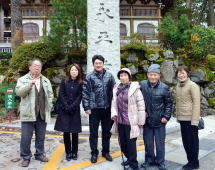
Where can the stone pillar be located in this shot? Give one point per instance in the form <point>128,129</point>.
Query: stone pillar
<point>103,37</point>
<point>104,33</point>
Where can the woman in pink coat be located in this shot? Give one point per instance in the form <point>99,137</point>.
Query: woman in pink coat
<point>128,111</point>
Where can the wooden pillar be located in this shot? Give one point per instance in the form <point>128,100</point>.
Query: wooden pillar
<point>131,20</point>
<point>1,21</point>
<point>45,13</point>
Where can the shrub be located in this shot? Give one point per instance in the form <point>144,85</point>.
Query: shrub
<point>4,55</point>
<point>174,34</point>
<point>26,52</point>
<point>186,40</point>
<point>201,42</point>
<point>211,61</point>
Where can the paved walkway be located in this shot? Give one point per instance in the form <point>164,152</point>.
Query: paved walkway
<point>171,126</point>
<point>175,155</point>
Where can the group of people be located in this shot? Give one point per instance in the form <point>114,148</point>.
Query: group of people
<point>128,108</point>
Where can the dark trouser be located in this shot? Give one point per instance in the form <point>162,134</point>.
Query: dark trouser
<point>128,146</point>
<point>190,141</point>
<point>27,132</point>
<point>67,142</point>
<point>97,115</point>
<point>150,135</point>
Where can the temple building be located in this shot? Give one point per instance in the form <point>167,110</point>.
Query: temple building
<point>141,16</point>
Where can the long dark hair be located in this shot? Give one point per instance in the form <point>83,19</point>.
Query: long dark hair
<point>79,77</point>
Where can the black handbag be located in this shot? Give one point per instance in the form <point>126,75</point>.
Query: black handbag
<point>201,124</point>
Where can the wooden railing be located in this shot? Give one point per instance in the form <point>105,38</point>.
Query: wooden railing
<point>150,41</point>
<point>5,40</point>
<point>5,49</point>
<point>32,39</point>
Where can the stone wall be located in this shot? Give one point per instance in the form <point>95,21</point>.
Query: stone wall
<point>203,75</point>
<point>139,62</point>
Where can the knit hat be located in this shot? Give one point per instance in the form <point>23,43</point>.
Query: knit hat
<point>124,70</point>
<point>155,68</point>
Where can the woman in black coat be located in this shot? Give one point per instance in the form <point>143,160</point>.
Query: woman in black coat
<point>68,110</point>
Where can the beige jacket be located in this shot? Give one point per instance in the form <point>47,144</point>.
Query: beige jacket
<point>27,94</point>
<point>188,102</point>
<point>136,109</point>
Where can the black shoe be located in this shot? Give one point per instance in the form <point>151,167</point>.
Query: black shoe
<point>147,164</point>
<point>74,156</point>
<point>94,158</point>
<point>126,163</point>
<point>162,167</point>
<point>131,168</point>
<point>107,157</point>
<point>190,167</point>
<point>187,166</point>
<point>68,156</point>
<point>195,166</point>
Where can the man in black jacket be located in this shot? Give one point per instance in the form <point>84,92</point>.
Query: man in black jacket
<point>159,108</point>
<point>97,96</point>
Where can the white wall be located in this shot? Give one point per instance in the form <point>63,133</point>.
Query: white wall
<point>48,27</point>
<point>127,23</point>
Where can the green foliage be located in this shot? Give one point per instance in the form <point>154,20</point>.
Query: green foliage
<point>3,114</point>
<point>77,57</point>
<point>135,46</point>
<point>187,41</point>
<point>211,61</point>
<point>175,34</point>
<point>26,52</point>
<point>209,74</point>
<point>140,76</point>
<point>211,102</point>
<point>2,94</point>
<point>136,37</point>
<point>68,24</point>
<point>140,51</point>
<point>3,70</point>
<point>160,60</point>
<point>50,73</point>
<point>201,42</point>
<point>4,61</point>
<point>4,55</point>
<point>197,13</point>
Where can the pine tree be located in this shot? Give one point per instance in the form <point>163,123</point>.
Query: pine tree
<point>68,24</point>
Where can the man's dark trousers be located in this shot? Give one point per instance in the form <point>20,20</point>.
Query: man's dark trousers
<point>150,135</point>
<point>97,115</point>
<point>27,132</point>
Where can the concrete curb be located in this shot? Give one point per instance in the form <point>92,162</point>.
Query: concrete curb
<point>171,127</point>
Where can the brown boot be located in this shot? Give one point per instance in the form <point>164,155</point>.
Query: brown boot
<point>42,158</point>
<point>25,163</point>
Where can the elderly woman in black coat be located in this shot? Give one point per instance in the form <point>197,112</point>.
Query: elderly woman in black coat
<point>68,110</point>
